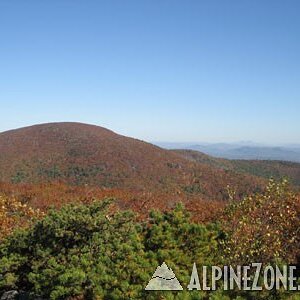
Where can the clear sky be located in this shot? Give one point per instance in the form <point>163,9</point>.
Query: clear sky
<point>159,70</point>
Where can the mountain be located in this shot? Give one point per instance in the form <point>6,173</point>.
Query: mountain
<point>261,168</point>
<point>242,150</point>
<point>82,154</point>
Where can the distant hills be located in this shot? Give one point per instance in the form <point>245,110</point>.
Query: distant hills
<point>82,154</point>
<point>245,150</point>
<point>261,168</point>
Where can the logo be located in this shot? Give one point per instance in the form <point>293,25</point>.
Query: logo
<point>163,279</point>
<point>253,277</point>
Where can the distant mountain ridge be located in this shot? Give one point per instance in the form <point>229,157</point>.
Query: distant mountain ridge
<point>246,150</point>
<point>262,168</point>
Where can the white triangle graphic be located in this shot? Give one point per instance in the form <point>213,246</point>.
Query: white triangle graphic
<point>163,279</point>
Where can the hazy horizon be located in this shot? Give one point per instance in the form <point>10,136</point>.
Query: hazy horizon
<point>238,143</point>
<point>183,143</point>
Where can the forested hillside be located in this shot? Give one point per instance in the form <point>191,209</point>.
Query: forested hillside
<point>81,154</point>
<point>261,168</point>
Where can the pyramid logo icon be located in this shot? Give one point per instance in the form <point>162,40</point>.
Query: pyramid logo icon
<point>164,279</point>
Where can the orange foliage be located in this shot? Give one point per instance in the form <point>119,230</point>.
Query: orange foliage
<point>43,196</point>
<point>14,214</point>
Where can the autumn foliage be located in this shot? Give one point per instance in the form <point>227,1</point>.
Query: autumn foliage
<point>14,214</point>
<point>56,194</point>
<point>80,154</point>
<point>96,250</point>
<point>263,227</point>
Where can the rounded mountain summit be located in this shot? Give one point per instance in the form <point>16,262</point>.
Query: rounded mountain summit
<point>77,154</point>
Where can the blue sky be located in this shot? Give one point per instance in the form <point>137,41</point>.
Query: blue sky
<point>214,71</point>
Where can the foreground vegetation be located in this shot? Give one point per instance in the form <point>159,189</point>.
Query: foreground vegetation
<point>96,251</point>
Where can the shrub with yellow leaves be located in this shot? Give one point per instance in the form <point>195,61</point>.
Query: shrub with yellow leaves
<point>14,214</point>
<point>263,227</point>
